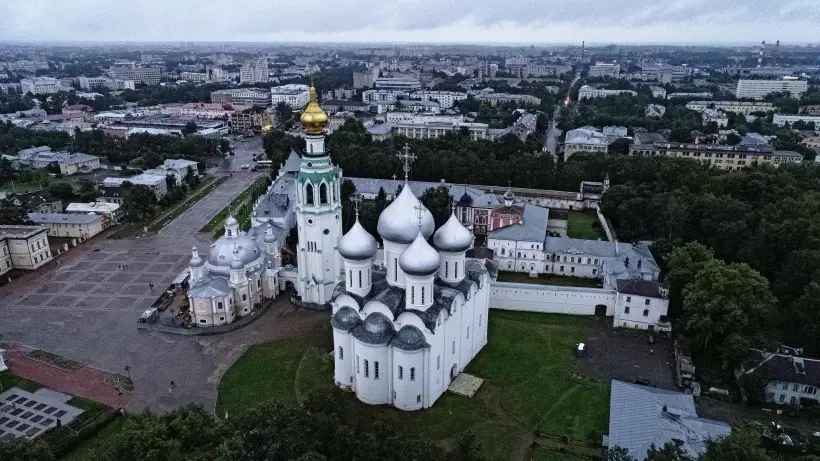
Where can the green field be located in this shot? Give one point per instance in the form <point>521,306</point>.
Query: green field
<point>548,279</point>
<point>241,207</point>
<point>584,225</point>
<point>529,385</point>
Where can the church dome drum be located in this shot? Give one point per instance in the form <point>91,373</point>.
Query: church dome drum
<point>419,258</point>
<point>222,251</point>
<point>357,243</point>
<point>453,237</point>
<point>398,222</point>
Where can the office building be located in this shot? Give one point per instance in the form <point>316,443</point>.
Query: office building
<point>41,85</point>
<point>397,83</point>
<point>294,95</point>
<point>145,75</point>
<point>255,71</point>
<point>588,92</point>
<point>242,96</point>
<point>445,99</point>
<point>738,107</point>
<point>76,225</point>
<point>69,162</point>
<point>603,69</point>
<point>757,89</point>
<point>783,119</point>
<point>720,156</point>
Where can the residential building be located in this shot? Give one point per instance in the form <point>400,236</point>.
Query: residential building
<point>590,139</point>
<point>41,85</point>
<point>397,83</point>
<point>365,78</point>
<point>146,75</point>
<point>757,89</point>
<point>588,92</point>
<point>93,83</point>
<point>712,115</point>
<point>209,110</point>
<point>641,304</point>
<point>427,126</point>
<point>40,201</point>
<point>494,98</point>
<point>112,211</point>
<point>739,107</point>
<point>242,96</point>
<point>294,95</point>
<point>114,195</point>
<point>332,106</point>
<point>790,379</point>
<point>546,70</point>
<point>69,162</point>
<point>702,95</point>
<point>156,183</point>
<point>77,225</point>
<point>784,119</point>
<point>720,156</point>
<point>23,247</point>
<point>813,109</point>
<point>77,110</point>
<point>445,99</point>
<point>252,119</point>
<point>811,142</point>
<point>603,69</point>
<point>377,96</point>
<point>643,416</point>
<point>655,110</point>
<point>255,71</point>
<point>658,92</point>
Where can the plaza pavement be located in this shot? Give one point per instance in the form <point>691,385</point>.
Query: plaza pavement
<point>86,309</point>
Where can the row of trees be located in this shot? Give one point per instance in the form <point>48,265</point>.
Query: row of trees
<point>454,157</point>
<point>325,429</point>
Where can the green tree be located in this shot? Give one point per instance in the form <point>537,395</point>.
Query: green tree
<point>620,147</point>
<point>139,203</point>
<point>86,191</point>
<point>283,113</point>
<point>347,190</point>
<point>618,454</point>
<point>437,200</point>
<point>724,306</point>
<point>12,214</point>
<point>742,445</point>
<point>25,450</point>
<point>669,452</point>
<point>189,128</point>
<point>61,190</point>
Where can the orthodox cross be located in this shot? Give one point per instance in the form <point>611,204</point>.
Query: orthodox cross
<point>419,212</point>
<point>408,158</point>
<point>356,198</point>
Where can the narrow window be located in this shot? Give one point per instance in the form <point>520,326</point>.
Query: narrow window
<point>395,269</point>
<point>309,194</point>
<point>422,294</point>
<point>401,372</point>
<point>454,347</point>
<point>357,363</point>
<point>646,312</point>
<point>418,398</point>
<point>412,373</point>
<point>626,310</point>
<point>456,271</point>
<point>366,369</point>
<point>646,302</point>
<point>323,194</point>
<point>412,294</point>
<point>219,305</point>
<point>628,298</point>
<point>375,370</point>
<point>468,332</point>
<point>341,353</point>
<point>360,279</point>
<point>438,362</point>
<point>446,269</point>
<point>350,277</point>
<point>244,297</point>
<point>479,319</point>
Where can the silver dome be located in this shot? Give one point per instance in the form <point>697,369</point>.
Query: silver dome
<point>345,318</point>
<point>399,223</point>
<point>376,324</point>
<point>453,237</point>
<point>236,263</point>
<point>221,253</point>
<point>231,221</point>
<point>357,243</point>
<point>196,261</point>
<point>419,258</point>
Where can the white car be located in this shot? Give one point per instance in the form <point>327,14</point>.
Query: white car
<point>245,166</point>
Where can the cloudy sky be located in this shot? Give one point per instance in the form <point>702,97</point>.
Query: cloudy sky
<point>436,21</point>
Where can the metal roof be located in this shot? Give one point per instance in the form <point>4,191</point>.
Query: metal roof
<point>640,416</point>
<point>534,228</point>
<point>64,218</point>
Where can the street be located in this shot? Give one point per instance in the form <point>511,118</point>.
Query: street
<point>244,151</point>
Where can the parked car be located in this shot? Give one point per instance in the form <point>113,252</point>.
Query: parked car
<point>149,316</point>
<point>244,166</point>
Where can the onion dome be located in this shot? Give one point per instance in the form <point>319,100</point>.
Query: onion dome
<point>419,258</point>
<point>357,243</point>
<point>453,237</point>
<point>509,195</point>
<point>345,319</point>
<point>231,221</point>
<point>237,261</point>
<point>398,222</point>
<point>313,118</point>
<point>409,338</point>
<point>376,329</point>
<point>269,237</point>
<point>465,200</point>
<point>196,261</point>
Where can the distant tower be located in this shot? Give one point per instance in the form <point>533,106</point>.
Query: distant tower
<point>583,44</point>
<point>760,54</point>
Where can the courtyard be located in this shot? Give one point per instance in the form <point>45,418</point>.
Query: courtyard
<point>549,279</point>
<point>584,225</point>
<point>530,385</point>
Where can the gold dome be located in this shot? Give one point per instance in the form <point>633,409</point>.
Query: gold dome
<point>313,117</point>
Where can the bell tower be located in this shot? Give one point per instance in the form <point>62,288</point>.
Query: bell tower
<point>318,211</point>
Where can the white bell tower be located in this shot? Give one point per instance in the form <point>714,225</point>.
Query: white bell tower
<point>318,212</point>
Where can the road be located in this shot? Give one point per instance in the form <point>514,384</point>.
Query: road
<point>86,308</point>
<point>244,151</point>
<point>553,134</point>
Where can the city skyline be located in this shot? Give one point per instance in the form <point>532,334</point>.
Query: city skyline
<point>421,21</point>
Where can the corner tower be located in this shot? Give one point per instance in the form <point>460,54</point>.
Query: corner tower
<point>318,211</point>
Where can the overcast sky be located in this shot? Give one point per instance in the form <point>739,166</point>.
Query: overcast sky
<point>436,21</point>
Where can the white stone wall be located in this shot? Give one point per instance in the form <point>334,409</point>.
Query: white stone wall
<point>630,310</point>
<point>370,388</point>
<point>550,299</point>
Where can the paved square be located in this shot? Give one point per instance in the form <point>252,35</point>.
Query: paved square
<point>92,302</point>
<point>121,303</point>
<point>68,275</point>
<point>61,301</point>
<point>138,289</point>
<point>52,287</point>
<point>108,288</point>
<point>80,288</point>
<point>168,258</point>
<point>95,277</point>
<point>136,267</point>
<point>34,300</point>
<point>109,267</point>
<point>160,268</point>
<point>121,277</point>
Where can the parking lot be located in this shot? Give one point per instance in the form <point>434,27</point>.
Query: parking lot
<point>625,355</point>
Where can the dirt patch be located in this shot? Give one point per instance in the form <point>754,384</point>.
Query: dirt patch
<point>624,354</point>
<point>54,360</point>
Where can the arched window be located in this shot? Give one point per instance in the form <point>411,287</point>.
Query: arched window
<point>323,193</point>
<point>309,194</point>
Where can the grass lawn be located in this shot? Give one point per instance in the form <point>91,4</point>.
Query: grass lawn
<point>584,225</point>
<point>90,448</point>
<point>8,380</point>
<point>548,279</point>
<point>529,383</point>
<point>241,206</point>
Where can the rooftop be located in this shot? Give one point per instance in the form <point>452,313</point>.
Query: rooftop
<point>9,231</point>
<point>67,218</point>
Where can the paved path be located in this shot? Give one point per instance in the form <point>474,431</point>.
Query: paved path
<point>86,310</point>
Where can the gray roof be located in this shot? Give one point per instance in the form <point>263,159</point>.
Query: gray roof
<point>68,218</point>
<point>210,286</point>
<point>486,200</point>
<point>345,319</point>
<point>370,186</point>
<point>222,251</point>
<point>281,199</point>
<point>640,416</point>
<point>638,287</point>
<point>293,164</point>
<point>409,338</point>
<point>376,329</point>
<point>785,368</point>
<point>534,228</point>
